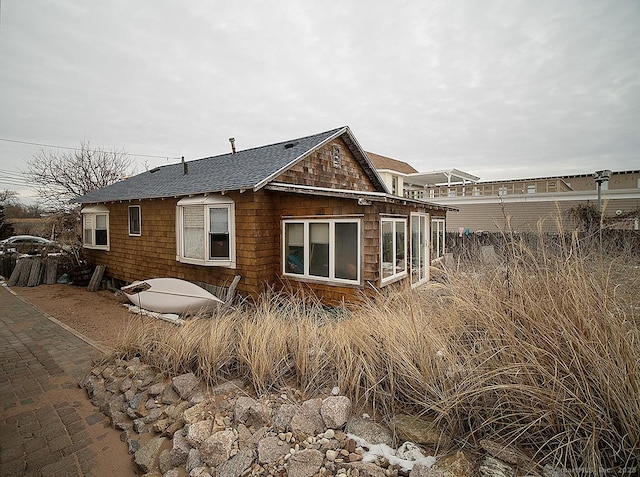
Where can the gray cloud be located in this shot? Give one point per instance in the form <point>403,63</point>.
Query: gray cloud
<point>499,89</point>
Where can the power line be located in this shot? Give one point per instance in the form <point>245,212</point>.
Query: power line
<point>77,148</point>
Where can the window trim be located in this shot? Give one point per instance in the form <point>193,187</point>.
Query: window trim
<point>139,232</point>
<point>94,211</point>
<point>306,276</point>
<point>442,233</point>
<point>426,249</point>
<point>208,202</point>
<point>402,273</point>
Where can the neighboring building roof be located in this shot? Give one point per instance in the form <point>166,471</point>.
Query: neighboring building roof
<point>247,169</point>
<point>386,163</point>
<point>448,176</point>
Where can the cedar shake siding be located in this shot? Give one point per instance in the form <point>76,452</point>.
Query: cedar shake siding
<point>325,180</point>
<point>258,225</point>
<point>318,170</point>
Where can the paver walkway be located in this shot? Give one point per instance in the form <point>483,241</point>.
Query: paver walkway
<point>48,427</point>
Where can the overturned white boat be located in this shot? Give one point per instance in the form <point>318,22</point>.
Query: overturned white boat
<point>170,295</point>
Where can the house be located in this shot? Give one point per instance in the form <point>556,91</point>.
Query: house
<point>310,212</point>
<point>528,204</point>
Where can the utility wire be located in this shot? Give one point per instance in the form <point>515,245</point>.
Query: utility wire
<point>78,149</point>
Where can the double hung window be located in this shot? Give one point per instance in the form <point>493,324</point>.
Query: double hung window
<point>206,231</point>
<point>95,227</point>
<point>322,249</point>
<point>393,248</point>
<point>134,221</point>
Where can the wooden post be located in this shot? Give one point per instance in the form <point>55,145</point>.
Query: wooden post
<point>35,274</point>
<point>94,284</point>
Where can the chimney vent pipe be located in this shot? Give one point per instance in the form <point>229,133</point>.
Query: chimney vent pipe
<point>185,167</point>
<point>232,140</point>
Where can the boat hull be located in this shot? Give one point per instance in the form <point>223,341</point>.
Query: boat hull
<point>169,295</point>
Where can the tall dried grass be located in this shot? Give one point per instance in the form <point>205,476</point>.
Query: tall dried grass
<point>541,352</point>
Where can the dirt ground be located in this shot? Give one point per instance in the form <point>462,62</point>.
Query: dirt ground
<point>98,315</point>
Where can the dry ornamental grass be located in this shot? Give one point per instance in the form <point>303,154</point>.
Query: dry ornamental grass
<point>541,352</point>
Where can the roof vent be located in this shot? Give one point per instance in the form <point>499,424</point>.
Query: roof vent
<point>290,145</point>
<point>232,140</point>
<point>155,169</point>
<point>185,167</point>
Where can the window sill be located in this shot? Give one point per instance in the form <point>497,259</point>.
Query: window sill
<point>96,247</point>
<point>207,263</point>
<point>393,279</point>
<point>322,281</point>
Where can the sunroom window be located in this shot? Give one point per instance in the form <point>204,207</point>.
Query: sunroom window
<point>393,246</point>
<point>205,229</point>
<point>327,250</point>
<point>95,227</point>
<point>437,238</point>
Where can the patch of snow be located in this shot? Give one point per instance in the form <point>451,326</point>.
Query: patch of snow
<point>386,452</point>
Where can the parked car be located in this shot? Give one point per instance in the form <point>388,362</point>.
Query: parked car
<point>29,244</point>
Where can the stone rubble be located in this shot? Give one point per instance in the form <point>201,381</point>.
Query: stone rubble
<point>177,427</point>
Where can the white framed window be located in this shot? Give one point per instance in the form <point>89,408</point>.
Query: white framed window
<point>95,227</point>
<point>437,238</point>
<point>502,190</point>
<point>322,249</point>
<point>531,189</point>
<point>393,248</point>
<point>205,231</point>
<point>419,248</point>
<point>135,229</point>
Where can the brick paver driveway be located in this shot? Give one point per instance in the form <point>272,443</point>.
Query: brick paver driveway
<point>48,427</point>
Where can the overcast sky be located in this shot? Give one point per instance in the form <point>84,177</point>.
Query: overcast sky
<point>499,89</point>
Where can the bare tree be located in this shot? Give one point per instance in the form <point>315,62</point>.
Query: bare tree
<point>59,177</point>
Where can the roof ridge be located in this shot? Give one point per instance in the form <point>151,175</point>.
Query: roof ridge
<point>271,144</point>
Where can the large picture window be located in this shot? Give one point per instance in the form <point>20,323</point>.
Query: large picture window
<point>206,231</point>
<point>437,238</point>
<point>393,246</point>
<point>327,250</point>
<point>95,227</point>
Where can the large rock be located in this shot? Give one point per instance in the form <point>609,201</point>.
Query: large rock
<point>180,450</point>
<point>492,467</point>
<point>164,461</point>
<point>270,449</point>
<point>305,463</point>
<point>366,469</point>
<point>237,465</point>
<point>251,413</point>
<point>185,384</point>
<point>198,432</point>
<point>283,416</point>
<point>307,420</point>
<point>421,430</point>
<point>335,411</point>
<point>459,464</point>
<point>370,431</point>
<point>195,413</point>
<point>228,387</point>
<point>421,470</point>
<point>194,460</point>
<point>217,448</point>
<point>146,456</point>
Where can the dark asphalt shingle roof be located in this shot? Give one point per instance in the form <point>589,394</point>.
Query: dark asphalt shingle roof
<point>243,170</point>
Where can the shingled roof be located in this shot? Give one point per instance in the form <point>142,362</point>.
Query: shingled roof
<point>247,169</point>
<point>386,163</point>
